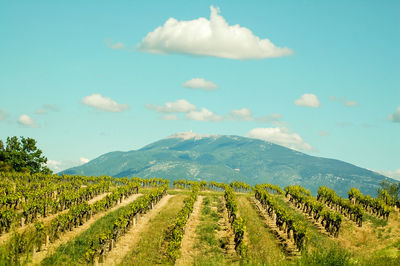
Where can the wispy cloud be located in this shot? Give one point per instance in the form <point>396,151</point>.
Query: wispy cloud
<point>280,136</point>
<point>102,103</point>
<point>323,133</point>
<point>179,106</point>
<point>3,114</point>
<point>204,115</point>
<point>395,117</point>
<point>308,100</point>
<point>114,45</point>
<point>27,121</point>
<point>213,37</point>
<point>46,108</point>
<point>343,100</point>
<point>200,83</point>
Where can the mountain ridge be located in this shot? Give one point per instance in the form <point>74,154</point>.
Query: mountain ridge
<point>225,158</point>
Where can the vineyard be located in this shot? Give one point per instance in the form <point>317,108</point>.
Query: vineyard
<point>79,220</point>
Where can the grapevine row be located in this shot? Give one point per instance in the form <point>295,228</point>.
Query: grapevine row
<point>237,223</point>
<point>104,242</point>
<point>178,228</point>
<point>283,219</point>
<point>374,206</point>
<point>303,200</point>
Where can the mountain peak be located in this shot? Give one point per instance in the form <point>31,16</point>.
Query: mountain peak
<point>191,135</point>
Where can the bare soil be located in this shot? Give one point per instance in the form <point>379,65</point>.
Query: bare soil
<point>187,249</point>
<point>125,243</point>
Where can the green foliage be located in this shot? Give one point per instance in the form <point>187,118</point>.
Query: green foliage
<point>178,228</point>
<point>334,255</point>
<point>375,206</point>
<point>238,224</point>
<point>352,211</point>
<point>284,220</point>
<point>22,155</point>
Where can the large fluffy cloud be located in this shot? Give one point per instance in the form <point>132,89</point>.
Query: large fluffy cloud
<point>102,103</point>
<point>212,37</point>
<point>179,106</point>
<point>200,83</point>
<point>204,115</point>
<point>395,117</point>
<point>26,120</point>
<point>281,136</point>
<point>309,100</point>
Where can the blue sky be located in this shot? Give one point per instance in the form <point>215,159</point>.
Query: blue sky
<point>88,77</point>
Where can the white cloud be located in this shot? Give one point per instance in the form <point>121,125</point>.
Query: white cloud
<point>212,37</point>
<point>395,117</point>
<point>83,160</point>
<point>170,117</point>
<point>104,103</point>
<point>393,174</point>
<point>179,106</point>
<point>203,115</point>
<point>309,100</point>
<point>54,165</point>
<point>25,120</point>
<point>200,83</point>
<point>280,136</point>
<point>242,114</point>
<point>3,114</point>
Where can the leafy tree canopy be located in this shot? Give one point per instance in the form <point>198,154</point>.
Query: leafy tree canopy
<point>22,155</point>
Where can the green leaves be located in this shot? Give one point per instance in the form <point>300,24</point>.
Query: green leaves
<point>177,232</point>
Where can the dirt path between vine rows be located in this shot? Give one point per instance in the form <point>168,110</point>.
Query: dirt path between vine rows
<point>67,236</point>
<point>126,242</point>
<point>226,232</point>
<point>187,249</point>
<point>45,220</point>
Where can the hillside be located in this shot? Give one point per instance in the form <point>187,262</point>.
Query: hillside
<point>226,158</point>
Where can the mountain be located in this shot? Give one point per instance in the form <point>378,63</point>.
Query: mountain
<point>227,158</point>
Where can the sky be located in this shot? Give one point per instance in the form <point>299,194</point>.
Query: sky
<point>85,78</point>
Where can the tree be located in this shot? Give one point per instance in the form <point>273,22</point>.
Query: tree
<point>22,155</point>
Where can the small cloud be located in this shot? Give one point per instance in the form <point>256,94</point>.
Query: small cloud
<point>351,103</point>
<point>25,120</point>
<point>203,115</point>
<point>170,117</point>
<point>45,108</point>
<point>280,136</point>
<point>200,83</point>
<point>99,102</point>
<point>395,117</point>
<point>393,174</point>
<point>114,45</point>
<point>213,37</point>
<point>3,114</point>
<point>344,124</point>
<point>83,160</point>
<point>309,100</point>
<point>242,114</point>
<point>54,165</point>
<point>274,119</point>
<point>323,133</point>
<point>179,106</point>
<point>344,101</point>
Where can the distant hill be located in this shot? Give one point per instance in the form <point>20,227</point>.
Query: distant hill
<point>226,158</point>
